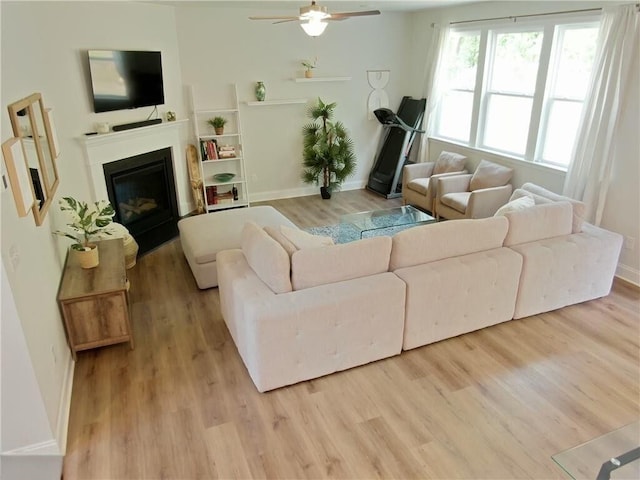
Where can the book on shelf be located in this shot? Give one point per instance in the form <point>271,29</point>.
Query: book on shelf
<point>212,195</point>
<point>209,149</point>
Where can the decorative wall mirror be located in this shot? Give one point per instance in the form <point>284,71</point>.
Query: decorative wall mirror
<point>33,126</point>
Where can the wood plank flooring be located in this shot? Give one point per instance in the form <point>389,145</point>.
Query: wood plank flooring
<point>497,403</point>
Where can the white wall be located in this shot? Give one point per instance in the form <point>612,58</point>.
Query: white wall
<point>42,51</point>
<point>622,211</point>
<point>219,47</point>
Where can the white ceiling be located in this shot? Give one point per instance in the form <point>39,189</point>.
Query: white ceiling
<point>332,5</point>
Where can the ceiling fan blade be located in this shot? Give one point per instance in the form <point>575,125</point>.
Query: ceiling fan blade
<point>343,15</point>
<point>291,19</point>
<point>274,18</point>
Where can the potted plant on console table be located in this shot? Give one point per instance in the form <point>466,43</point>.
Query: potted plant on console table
<point>87,222</point>
<point>327,150</point>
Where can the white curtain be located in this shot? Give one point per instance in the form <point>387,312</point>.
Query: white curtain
<point>431,90</point>
<point>592,160</point>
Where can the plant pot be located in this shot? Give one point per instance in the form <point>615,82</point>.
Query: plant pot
<point>325,193</point>
<point>88,258</point>
<point>308,73</point>
<point>219,130</point>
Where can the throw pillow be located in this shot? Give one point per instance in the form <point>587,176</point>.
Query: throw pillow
<point>302,239</point>
<point>275,233</point>
<point>489,174</point>
<point>449,162</point>
<point>515,205</point>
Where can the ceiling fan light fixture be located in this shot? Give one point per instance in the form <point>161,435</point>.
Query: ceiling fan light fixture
<point>314,28</point>
<point>314,12</point>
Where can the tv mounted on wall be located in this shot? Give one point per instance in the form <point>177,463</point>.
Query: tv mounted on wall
<point>122,79</point>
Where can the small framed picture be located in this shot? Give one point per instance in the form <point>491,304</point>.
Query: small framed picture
<point>19,176</point>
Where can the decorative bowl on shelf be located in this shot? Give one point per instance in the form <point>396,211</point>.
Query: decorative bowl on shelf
<point>224,177</point>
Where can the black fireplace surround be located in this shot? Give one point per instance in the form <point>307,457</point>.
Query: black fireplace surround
<point>143,194</point>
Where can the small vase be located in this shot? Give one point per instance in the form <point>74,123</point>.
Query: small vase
<point>308,73</point>
<point>88,258</point>
<point>261,91</point>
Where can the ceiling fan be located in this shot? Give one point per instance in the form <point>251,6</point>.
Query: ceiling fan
<point>314,18</point>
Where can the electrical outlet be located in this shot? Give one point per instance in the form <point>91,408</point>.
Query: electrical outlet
<point>629,243</point>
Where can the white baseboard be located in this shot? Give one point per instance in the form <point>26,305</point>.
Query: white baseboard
<point>30,465</point>
<point>628,274</point>
<point>301,192</point>
<point>64,408</point>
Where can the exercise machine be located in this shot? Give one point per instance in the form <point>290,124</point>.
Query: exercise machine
<point>400,131</point>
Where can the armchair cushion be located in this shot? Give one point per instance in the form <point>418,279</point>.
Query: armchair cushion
<point>458,201</point>
<point>449,162</point>
<point>489,174</point>
<point>420,185</point>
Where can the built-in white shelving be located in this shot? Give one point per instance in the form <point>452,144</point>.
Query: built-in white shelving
<point>286,101</point>
<point>216,193</point>
<point>322,79</point>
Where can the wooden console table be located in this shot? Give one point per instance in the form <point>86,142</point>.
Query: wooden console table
<point>94,302</point>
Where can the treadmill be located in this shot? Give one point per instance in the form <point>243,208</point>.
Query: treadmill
<point>386,175</point>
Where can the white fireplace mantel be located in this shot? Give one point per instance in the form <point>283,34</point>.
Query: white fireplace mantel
<point>110,147</point>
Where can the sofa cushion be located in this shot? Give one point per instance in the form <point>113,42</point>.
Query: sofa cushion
<point>302,239</point>
<point>458,200</point>
<point>521,203</point>
<point>276,234</point>
<point>541,194</point>
<point>489,174</point>
<point>319,266</point>
<point>436,241</point>
<point>538,222</point>
<point>266,257</point>
<point>420,185</point>
<point>449,162</point>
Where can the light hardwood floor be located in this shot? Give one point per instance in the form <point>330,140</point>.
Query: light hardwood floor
<point>497,403</point>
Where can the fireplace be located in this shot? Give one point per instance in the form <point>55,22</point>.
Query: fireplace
<point>142,192</point>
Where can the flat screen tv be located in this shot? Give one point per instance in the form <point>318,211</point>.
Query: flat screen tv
<point>122,79</point>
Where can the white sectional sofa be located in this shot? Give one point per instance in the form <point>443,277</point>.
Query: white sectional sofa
<point>300,314</point>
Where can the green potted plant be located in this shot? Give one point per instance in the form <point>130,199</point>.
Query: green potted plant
<point>309,66</point>
<point>86,222</point>
<point>218,124</point>
<point>328,156</point>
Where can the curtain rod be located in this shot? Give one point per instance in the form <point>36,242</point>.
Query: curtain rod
<point>514,17</point>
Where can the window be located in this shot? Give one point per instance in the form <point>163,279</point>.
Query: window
<point>516,90</point>
<point>454,116</point>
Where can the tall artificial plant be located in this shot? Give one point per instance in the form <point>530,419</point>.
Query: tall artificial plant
<point>327,149</point>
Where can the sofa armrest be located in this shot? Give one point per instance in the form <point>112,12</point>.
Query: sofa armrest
<point>416,170</point>
<point>485,202</point>
<point>452,184</point>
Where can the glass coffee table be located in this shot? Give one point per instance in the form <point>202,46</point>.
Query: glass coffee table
<point>615,455</point>
<point>364,224</point>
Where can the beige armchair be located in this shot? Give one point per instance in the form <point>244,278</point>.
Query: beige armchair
<point>473,196</point>
<point>419,179</point>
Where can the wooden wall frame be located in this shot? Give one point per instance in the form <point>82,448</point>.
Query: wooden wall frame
<point>19,176</point>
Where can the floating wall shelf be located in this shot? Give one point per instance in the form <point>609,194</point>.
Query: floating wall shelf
<point>322,79</point>
<point>287,101</point>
